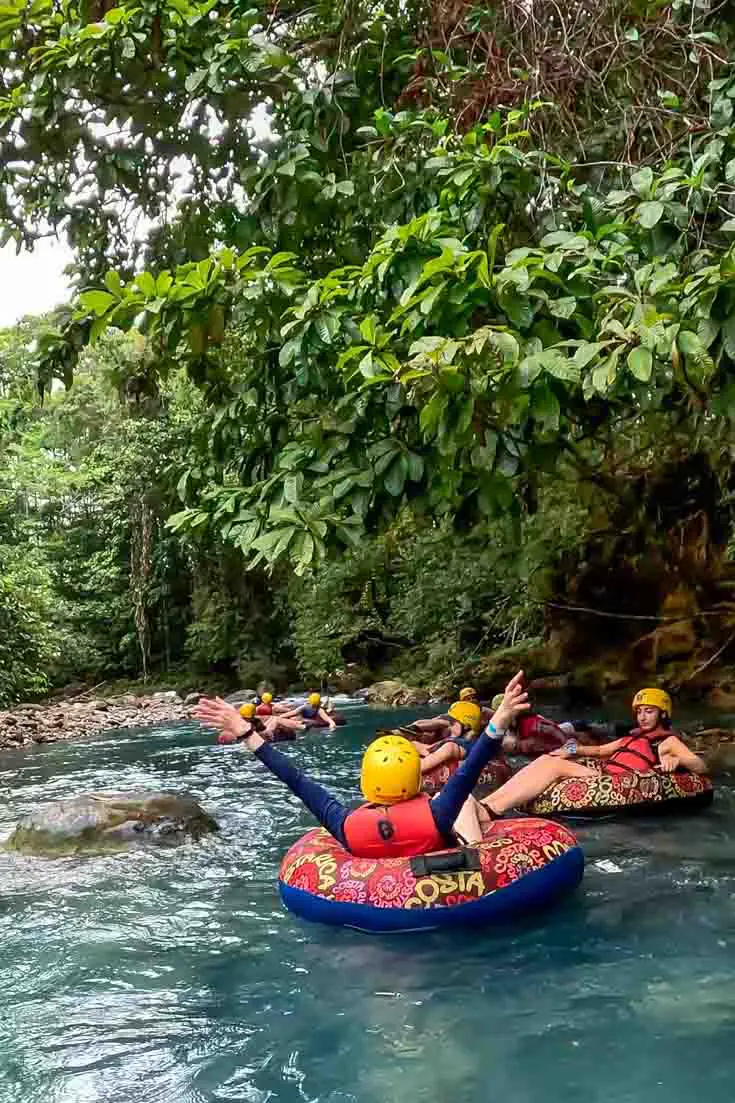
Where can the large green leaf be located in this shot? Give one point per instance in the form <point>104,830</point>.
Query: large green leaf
<point>640,362</point>
<point>559,365</point>
<point>642,182</point>
<point>650,213</point>
<point>395,478</point>
<point>97,302</point>
<point>432,412</point>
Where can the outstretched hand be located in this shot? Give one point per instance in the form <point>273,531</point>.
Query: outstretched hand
<point>515,702</point>
<point>216,713</point>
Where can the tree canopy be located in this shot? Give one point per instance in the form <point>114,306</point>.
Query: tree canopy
<point>425,259</point>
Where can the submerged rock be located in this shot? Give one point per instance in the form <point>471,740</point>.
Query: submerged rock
<point>110,821</point>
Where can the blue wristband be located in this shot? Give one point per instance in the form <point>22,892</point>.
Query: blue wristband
<point>493,732</point>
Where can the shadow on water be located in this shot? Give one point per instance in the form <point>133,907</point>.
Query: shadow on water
<point>177,977</point>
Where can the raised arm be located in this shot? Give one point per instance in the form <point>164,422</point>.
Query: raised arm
<point>446,805</point>
<point>292,713</point>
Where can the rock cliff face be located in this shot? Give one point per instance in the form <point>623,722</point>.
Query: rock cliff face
<point>650,597</point>
<point>97,822</point>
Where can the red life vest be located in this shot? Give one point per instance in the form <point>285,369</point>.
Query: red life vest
<point>639,753</point>
<point>264,710</point>
<point>393,831</point>
<point>537,735</point>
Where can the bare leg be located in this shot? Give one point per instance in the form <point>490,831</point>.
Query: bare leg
<point>449,752</point>
<point>467,824</point>
<point>533,780</point>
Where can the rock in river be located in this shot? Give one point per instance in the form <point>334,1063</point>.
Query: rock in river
<point>110,821</point>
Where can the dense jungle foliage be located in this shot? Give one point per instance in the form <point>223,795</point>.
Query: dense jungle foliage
<point>403,333</point>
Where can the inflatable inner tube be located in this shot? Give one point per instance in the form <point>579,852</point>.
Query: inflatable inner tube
<point>495,774</point>
<point>281,735</point>
<point>624,794</point>
<point>317,722</point>
<point>521,866</point>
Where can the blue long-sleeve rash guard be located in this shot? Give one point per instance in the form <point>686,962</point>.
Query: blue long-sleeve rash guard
<point>331,813</point>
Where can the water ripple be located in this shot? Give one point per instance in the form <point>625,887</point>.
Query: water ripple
<point>176,976</point>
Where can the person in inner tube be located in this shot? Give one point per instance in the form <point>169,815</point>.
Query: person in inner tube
<point>272,728</point>
<point>466,717</point>
<point>398,820</point>
<point>446,725</point>
<point>651,746</point>
<point>312,713</point>
<point>534,734</point>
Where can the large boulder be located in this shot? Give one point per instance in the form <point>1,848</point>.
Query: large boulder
<point>110,821</point>
<point>241,697</point>
<point>394,693</point>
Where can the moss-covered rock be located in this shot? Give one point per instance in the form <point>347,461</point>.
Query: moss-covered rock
<point>97,822</point>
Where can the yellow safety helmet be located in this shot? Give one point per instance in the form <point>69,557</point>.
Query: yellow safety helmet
<point>497,701</point>
<point>468,694</point>
<point>391,770</point>
<point>247,711</point>
<point>467,713</point>
<point>656,698</point>
<point>314,699</point>
<point>266,698</point>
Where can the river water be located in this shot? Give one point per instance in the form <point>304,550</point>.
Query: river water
<point>177,977</point>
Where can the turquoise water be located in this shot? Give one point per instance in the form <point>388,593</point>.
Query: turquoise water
<point>177,977</point>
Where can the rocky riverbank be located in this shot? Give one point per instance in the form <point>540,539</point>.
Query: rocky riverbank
<point>55,721</point>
